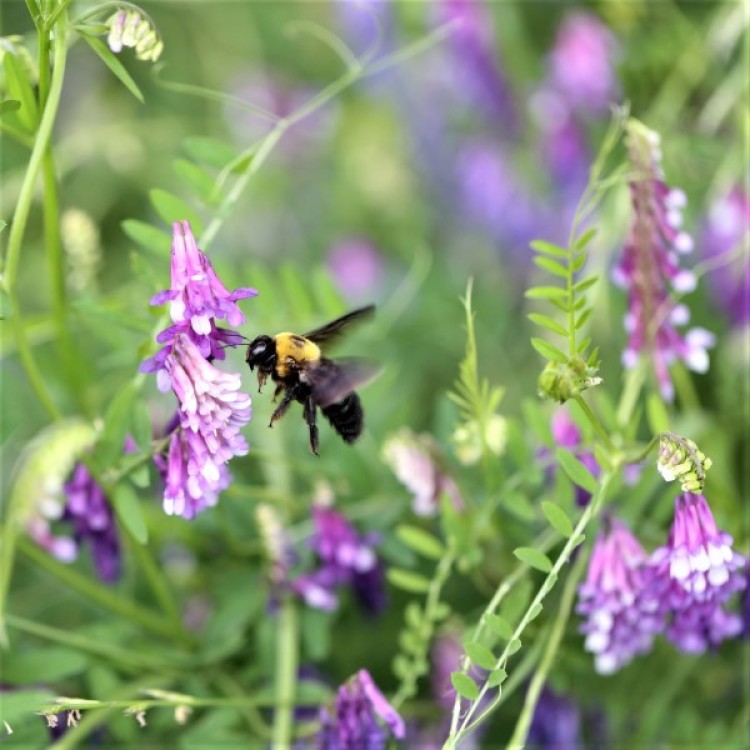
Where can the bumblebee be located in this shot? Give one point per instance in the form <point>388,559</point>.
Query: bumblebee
<point>301,372</point>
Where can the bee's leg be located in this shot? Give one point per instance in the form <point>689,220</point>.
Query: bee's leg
<point>279,389</point>
<point>310,414</point>
<point>283,406</point>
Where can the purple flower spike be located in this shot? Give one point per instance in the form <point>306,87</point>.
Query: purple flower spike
<point>622,611</point>
<point>650,267</point>
<point>212,411</point>
<point>197,298</point>
<point>352,722</point>
<point>93,521</point>
<point>695,574</point>
<point>346,559</point>
<point>556,724</point>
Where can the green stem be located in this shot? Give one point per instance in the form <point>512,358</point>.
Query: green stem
<point>107,599</point>
<point>21,215</point>
<point>596,424</point>
<point>286,674</point>
<point>685,388</point>
<point>634,381</point>
<point>518,739</point>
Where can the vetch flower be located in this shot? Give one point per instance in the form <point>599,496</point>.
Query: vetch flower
<point>679,458</point>
<point>354,720</point>
<point>650,268</point>
<point>197,298</point>
<point>211,412</point>
<point>622,611</point>
<point>698,564</point>
<point>346,558</point>
<point>413,459</point>
<point>127,28</point>
<point>556,724</point>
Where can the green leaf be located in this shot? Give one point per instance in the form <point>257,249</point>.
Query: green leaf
<point>116,425</point>
<point>408,581</point>
<point>585,284</point>
<point>552,266</point>
<point>558,518</point>
<point>401,666</point>
<point>420,541</point>
<point>546,322</point>
<point>171,208</point>
<point>464,686</point>
<point>576,471</point>
<point>546,292</point>
<point>578,262</point>
<point>109,59</point>
<point>481,655</point>
<point>582,318</point>
<point>128,509</point>
<point>18,705</point>
<point>535,611</point>
<point>584,345</point>
<point>517,600</point>
<point>533,558</point>
<point>9,105</point>
<point>580,539</point>
<point>585,238</point>
<point>156,241</point>
<point>197,179</point>
<point>209,151</point>
<point>548,248</point>
<point>514,646</point>
<point>19,88</point>
<point>656,413</point>
<point>440,611</point>
<point>499,626</point>
<point>42,665</point>
<point>497,677</point>
<point>549,351</point>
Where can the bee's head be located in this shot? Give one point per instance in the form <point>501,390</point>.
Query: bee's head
<point>261,353</point>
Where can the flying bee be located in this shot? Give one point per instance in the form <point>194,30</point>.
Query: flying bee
<point>301,372</point>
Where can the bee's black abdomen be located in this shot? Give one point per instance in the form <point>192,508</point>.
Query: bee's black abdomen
<point>346,417</point>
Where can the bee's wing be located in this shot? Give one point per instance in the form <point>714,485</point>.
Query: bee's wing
<point>333,380</point>
<point>336,328</point>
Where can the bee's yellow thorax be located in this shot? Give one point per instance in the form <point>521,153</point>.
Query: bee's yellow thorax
<point>295,347</point>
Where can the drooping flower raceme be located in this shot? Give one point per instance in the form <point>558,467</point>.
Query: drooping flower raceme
<point>212,409</point>
<point>353,722</point>
<point>127,28</point>
<point>196,299</point>
<point>650,270</point>
<point>622,611</point>
<point>346,558</point>
<point>695,574</point>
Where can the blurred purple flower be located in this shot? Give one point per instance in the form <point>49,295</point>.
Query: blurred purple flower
<point>90,513</point>
<point>356,267</point>
<point>197,298</point>
<point>566,434</point>
<point>477,78</point>
<point>556,724</point>
<point>725,229</point>
<point>352,723</point>
<point>345,559</point>
<point>695,574</point>
<point>622,611</point>
<point>581,63</point>
<point>212,409</point>
<point>649,266</point>
<point>365,23</point>
<point>414,461</point>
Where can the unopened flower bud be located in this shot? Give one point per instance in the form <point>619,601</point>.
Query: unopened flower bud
<point>127,28</point>
<point>679,458</point>
<point>561,381</point>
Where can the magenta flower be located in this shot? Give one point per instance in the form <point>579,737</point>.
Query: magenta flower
<point>356,267</point>
<point>212,409</point>
<point>346,558</point>
<point>649,268</point>
<point>197,298</point>
<point>623,613</point>
<point>695,574</point>
<point>581,63</point>
<point>352,723</point>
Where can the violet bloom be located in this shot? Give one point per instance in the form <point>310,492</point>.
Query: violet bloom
<point>345,559</point>
<point>622,612</point>
<point>356,267</point>
<point>650,267</point>
<point>581,63</point>
<point>354,720</point>
<point>695,574</point>
<point>212,410</point>
<point>197,298</point>
<point>556,724</point>
<point>726,228</point>
<point>90,513</point>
